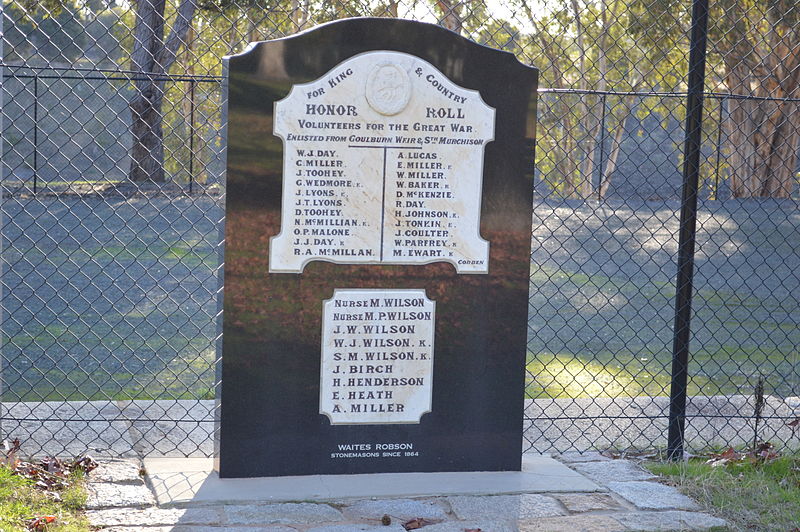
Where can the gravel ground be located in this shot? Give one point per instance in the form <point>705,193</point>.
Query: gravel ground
<point>186,427</point>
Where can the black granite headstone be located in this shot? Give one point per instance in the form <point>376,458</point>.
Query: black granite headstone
<point>377,253</point>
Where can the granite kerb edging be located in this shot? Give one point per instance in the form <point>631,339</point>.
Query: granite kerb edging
<point>644,494</point>
<point>117,484</point>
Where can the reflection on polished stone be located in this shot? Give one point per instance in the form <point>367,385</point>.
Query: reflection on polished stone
<point>462,179</point>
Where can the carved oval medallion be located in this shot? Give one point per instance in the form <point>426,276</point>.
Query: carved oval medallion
<point>388,89</point>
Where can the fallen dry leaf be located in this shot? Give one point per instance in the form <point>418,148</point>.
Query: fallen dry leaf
<point>763,452</point>
<point>39,524</point>
<point>11,450</point>
<point>49,474</point>
<point>86,464</point>
<point>414,524</point>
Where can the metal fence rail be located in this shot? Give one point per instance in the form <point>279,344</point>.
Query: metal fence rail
<point>110,231</point>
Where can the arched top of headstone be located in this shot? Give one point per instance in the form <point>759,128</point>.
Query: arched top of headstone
<point>459,58</point>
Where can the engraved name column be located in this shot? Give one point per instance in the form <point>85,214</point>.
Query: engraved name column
<point>435,175</point>
<point>327,203</point>
<point>377,356</point>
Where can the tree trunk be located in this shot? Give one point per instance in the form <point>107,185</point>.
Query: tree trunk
<point>763,130</point>
<point>188,68</point>
<point>451,14</point>
<point>590,115</point>
<point>616,147</point>
<point>151,59</point>
<point>582,180</point>
<point>785,144</point>
<point>565,165</point>
<point>763,142</point>
<point>196,147</point>
<point>739,132</point>
<point>294,14</point>
<point>233,33</point>
<point>251,32</point>
<point>299,14</point>
<point>147,152</point>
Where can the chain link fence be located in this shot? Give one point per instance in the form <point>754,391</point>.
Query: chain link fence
<point>113,194</point>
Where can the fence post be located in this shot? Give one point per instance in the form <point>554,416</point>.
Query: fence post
<point>719,147</point>
<point>688,223</point>
<point>602,146</point>
<point>35,130</point>
<point>191,134</point>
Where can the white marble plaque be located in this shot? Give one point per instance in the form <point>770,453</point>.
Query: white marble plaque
<point>377,356</point>
<point>383,163</point>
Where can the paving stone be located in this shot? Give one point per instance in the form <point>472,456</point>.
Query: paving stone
<point>612,471</point>
<point>190,528</point>
<point>118,471</point>
<point>587,502</point>
<point>461,526</point>
<point>573,523</point>
<point>153,516</point>
<point>229,529</point>
<point>402,509</point>
<point>577,458</point>
<point>139,529</point>
<point>106,495</point>
<point>505,507</point>
<point>283,513</point>
<point>670,520</point>
<point>351,527</point>
<point>653,496</point>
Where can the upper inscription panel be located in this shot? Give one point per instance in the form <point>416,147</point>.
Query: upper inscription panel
<point>383,164</point>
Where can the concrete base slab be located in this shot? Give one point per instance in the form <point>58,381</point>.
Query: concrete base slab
<point>189,481</point>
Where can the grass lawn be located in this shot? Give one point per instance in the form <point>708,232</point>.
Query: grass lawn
<point>21,502</point>
<point>750,493</point>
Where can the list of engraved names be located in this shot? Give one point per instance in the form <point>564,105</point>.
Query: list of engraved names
<point>377,356</point>
<point>383,163</point>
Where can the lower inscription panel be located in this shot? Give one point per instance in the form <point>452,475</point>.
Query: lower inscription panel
<point>377,356</point>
